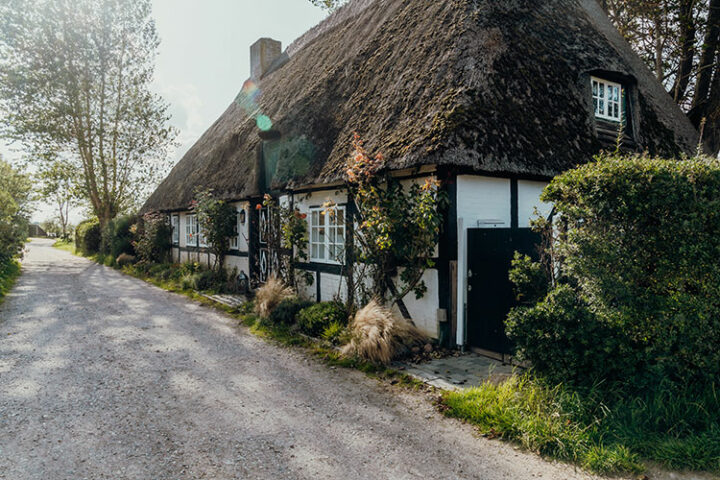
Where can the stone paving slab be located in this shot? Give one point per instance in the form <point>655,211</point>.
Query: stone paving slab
<point>229,300</point>
<point>455,373</point>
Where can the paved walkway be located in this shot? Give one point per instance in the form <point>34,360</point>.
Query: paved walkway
<point>103,376</point>
<point>455,373</point>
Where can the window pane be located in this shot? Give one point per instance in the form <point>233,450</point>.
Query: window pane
<point>340,220</point>
<point>315,237</point>
<point>602,90</point>
<point>602,107</point>
<point>320,251</point>
<point>595,88</point>
<point>315,217</point>
<point>314,252</point>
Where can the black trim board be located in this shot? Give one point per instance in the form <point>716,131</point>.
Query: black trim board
<point>230,253</point>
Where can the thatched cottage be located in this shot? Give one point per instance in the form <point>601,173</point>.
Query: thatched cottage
<point>494,98</point>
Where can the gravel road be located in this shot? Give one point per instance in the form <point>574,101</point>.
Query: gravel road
<point>104,376</point>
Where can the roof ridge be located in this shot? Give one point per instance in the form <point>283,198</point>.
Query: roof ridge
<point>351,9</point>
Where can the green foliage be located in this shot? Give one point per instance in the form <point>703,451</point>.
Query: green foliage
<point>396,226</point>
<point>88,236</point>
<point>290,240</point>
<point>606,432</point>
<point>315,319</point>
<point>328,4</point>
<point>75,83</point>
<point>287,310</point>
<point>118,237</point>
<point>218,222</point>
<point>9,271</point>
<point>530,279</point>
<point>15,190</point>
<point>336,333</point>
<point>565,341</point>
<point>154,238</point>
<point>637,246</point>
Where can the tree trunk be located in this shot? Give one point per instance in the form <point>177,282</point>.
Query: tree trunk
<point>701,107</point>
<point>688,30</point>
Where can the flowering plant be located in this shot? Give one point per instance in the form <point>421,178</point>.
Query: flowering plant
<point>397,226</point>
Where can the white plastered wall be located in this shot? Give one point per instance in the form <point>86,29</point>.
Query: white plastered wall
<point>485,202</point>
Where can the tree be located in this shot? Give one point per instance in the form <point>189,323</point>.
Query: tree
<point>75,80</point>
<point>328,4</point>
<point>680,42</point>
<point>57,185</point>
<point>15,198</point>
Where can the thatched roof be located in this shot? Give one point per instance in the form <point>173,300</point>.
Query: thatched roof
<point>496,87</point>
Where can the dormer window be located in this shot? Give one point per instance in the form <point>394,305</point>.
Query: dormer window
<point>607,99</point>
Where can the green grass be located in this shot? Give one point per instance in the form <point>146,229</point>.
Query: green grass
<point>9,272</point>
<point>603,432</point>
<point>67,245</point>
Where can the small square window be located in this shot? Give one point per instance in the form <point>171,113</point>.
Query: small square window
<point>607,99</point>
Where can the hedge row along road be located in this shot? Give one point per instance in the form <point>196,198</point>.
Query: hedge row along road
<point>104,376</point>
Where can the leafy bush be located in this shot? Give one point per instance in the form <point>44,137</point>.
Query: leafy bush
<point>637,246</point>
<point>117,236</point>
<point>335,333</point>
<point>218,222</point>
<point>379,336</point>
<point>270,295</point>
<point>15,197</point>
<point>154,238</point>
<point>286,311</point>
<point>210,280</point>
<point>315,319</point>
<point>88,237</point>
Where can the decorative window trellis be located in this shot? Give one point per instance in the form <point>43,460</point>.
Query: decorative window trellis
<point>327,235</point>
<point>607,99</point>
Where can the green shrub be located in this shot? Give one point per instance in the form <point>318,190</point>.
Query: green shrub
<point>117,237</point>
<point>154,238</point>
<point>636,247</point>
<point>88,237</point>
<point>315,319</point>
<point>287,310</point>
<point>336,333</point>
<point>210,280</point>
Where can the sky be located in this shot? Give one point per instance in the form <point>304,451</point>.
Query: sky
<point>204,58</point>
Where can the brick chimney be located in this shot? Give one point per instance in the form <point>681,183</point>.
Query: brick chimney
<point>262,54</point>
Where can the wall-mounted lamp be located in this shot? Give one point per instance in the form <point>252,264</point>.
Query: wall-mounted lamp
<point>242,216</point>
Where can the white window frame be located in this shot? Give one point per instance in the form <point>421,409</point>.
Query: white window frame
<point>324,228</point>
<point>607,99</point>
<point>191,229</point>
<point>235,241</point>
<point>175,224</point>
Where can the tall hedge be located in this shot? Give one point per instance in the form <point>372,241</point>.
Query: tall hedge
<point>117,237</point>
<point>637,295</point>
<point>88,236</point>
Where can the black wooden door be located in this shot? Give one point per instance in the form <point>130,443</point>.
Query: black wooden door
<point>490,293</point>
